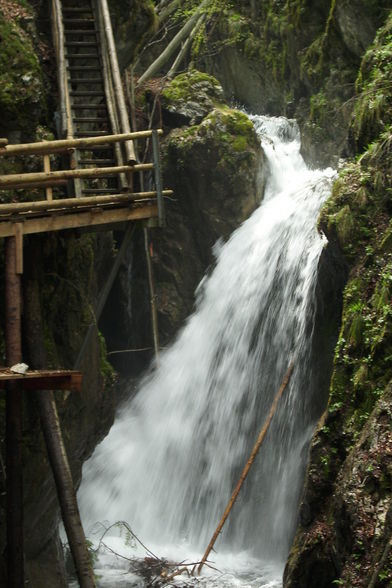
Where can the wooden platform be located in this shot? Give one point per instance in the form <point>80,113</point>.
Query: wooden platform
<point>43,379</point>
<point>32,223</point>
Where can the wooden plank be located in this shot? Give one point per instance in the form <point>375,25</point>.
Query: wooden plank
<point>65,144</point>
<point>7,182</point>
<point>66,203</point>
<point>44,379</point>
<point>79,220</point>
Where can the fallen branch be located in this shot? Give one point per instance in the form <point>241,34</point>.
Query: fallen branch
<point>184,49</point>
<point>172,46</point>
<point>246,469</point>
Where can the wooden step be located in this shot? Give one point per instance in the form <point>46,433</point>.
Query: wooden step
<point>98,161</point>
<point>81,32</point>
<point>87,93</point>
<point>83,56</point>
<point>80,44</point>
<point>100,191</point>
<point>84,68</point>
<point>82,134</point>
<point>89,106</point>
<point>106,147</point>
<point>78,21</point>
<point>89,119</point>
<point>86,81</point>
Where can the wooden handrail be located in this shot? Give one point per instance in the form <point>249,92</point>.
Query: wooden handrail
<point>7,182</point>
<point>47,147</point>
<point>116,78</point>
<point>65,203</point>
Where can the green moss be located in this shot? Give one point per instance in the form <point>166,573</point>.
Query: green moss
<point>186,86</point>
<point>107,370</point>
<point>373,110</point>
<point>21,86</point>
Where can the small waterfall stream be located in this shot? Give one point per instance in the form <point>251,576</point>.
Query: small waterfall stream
<point>171,460</point>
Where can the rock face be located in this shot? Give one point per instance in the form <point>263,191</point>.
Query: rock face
<point>298,58</point>
<point>345,520</point>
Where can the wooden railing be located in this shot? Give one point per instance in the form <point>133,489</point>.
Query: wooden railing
<point>47,179</point>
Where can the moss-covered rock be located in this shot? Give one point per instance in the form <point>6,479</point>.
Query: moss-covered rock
<point>345,521</point>
<point>22,92</point>
<point>190,97</point>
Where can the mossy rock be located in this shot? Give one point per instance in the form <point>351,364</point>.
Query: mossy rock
<point>21,80</point>
<point>190,97</point>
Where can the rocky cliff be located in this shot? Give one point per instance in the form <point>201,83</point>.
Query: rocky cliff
<point>328,64</point>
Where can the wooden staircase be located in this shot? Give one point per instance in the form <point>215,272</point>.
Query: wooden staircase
<point>88,93</point>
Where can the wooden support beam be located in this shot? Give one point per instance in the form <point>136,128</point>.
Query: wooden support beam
<point>63,145</point>
<point>116,77</point>
<point>158,179</point>
<point>43,379</point>
<point>45,185</point>
<point>7,182</point>
<point>19,248</point>
<point>79,220</point>
<point>67,203</point>
<point>14,421</point>
<point>65,489</point>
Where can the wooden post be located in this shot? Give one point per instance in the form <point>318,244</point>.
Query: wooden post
<point>48,190</point>
<point>118,87</point>
<point>246,469</point>
<point>14,419</point>
<point>158,179</point>
<point>153,302</point>
<point>51,426</point>
<point>65,489</point>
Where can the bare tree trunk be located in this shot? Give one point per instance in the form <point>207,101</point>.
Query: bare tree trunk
<point>52,432</point>
<point>65,489</point>
<point>173,45</point>
<point>186,46</point>
<point>168,10</point>
<point>247,467</point>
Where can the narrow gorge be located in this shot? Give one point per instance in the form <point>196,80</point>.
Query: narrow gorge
<point>276,119</point>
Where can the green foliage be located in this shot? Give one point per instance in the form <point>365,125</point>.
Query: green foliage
<point>21,86</point>
<point>373,109</point>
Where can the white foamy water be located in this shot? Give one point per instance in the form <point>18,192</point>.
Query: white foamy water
<point>172,458</point>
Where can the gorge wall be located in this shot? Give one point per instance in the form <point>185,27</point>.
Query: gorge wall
<point>327,63</point>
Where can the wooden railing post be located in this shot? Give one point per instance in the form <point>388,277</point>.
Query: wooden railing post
<point>14,419</point>
<point>116,77</point>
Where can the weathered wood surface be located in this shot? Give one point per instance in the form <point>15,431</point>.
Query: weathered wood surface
<point>90,218</point>
<point>83,202</point>
<point>63,145</point>
<point>43,379</point>
<point>8,181</point>
<point>14,420</point>
<point>116,77</point>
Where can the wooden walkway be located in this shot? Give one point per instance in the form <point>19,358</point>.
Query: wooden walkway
<point>88,178</point>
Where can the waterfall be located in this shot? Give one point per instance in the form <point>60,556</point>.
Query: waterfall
<point>170,462</point>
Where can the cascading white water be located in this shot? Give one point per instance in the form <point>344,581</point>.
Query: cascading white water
<point>170,462</point>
